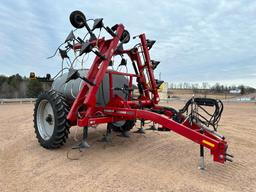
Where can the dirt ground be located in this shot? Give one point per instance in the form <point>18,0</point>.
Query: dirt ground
<point>156,161</point>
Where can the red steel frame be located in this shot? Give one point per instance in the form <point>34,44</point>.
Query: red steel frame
<point>83,111</point>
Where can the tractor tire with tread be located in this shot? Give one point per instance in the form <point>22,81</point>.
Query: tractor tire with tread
<point>56,121</point>
<point>127,126</point>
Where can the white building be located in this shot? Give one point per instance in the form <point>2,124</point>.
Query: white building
<point>235,91</point>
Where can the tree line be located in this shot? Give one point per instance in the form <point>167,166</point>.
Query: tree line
<point>16,86</point>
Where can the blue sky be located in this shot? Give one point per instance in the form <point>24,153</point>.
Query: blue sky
<point>197,40</point>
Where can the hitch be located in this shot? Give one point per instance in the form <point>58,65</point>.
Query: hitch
<point>229,157</point>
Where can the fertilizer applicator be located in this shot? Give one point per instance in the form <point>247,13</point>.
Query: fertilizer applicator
<point>100,95</point>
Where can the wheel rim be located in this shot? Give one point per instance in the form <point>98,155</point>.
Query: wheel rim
<point>45,119</point>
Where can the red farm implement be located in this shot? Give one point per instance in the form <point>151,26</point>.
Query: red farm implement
<point>100,94</point>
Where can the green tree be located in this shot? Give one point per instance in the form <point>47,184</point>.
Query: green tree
<point>34,88</point>
<point>2,80</point>
<point>242,88</point>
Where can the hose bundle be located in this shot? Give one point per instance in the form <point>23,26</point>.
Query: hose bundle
<point>206,117</point>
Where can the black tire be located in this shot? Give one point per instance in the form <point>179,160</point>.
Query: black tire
<point>127,126</point>
<point>58,123</point>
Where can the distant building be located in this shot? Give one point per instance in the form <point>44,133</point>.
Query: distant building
<point>235,91</point>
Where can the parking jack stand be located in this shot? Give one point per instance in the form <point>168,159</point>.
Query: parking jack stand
<point>201,160</point>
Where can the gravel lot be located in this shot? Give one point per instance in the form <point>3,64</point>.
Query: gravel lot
<point>156,161</point>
